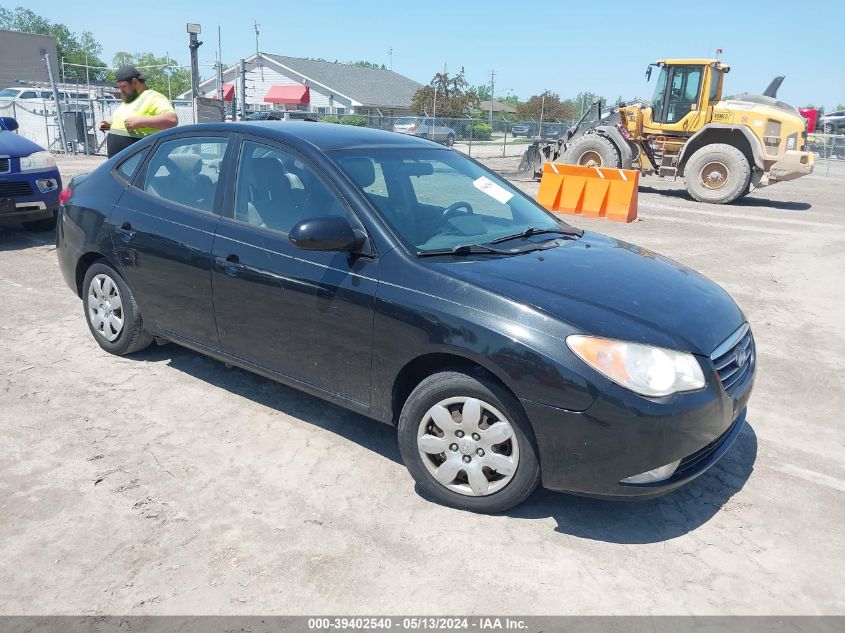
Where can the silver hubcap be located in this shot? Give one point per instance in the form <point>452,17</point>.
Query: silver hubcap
<point>105,307</point>
<point>468,446</point>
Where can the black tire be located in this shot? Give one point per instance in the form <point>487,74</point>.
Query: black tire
<point>728,174</point>
<point>132,336</point>
<point>450,140</point>
<point>828,128</point>
<point>47,224</point>
<point>509,490</point>
<point>593,150</point>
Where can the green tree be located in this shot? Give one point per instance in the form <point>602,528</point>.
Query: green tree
<point>455,97</point>
<point>163,73</point>
<point>583,101</point>
<point>365,64</point>
<point>483,92</point>
<point>74,49</point>
<point>551,107</point>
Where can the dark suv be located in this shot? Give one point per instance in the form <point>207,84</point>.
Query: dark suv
<point>524,129</point>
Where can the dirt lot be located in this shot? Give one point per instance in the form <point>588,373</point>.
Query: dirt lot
<point>167,484</point>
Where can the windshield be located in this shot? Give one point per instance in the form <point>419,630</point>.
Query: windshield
<point>436,199</point>
<point>406,121</point>
<point>9,92</point>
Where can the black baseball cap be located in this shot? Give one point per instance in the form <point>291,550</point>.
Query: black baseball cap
<point>128,72</point>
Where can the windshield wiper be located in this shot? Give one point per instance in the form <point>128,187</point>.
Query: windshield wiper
<point>470,249</point>
<point>532,230</point>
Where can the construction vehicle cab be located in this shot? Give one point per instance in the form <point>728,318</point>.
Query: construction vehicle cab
<point>723,148</point>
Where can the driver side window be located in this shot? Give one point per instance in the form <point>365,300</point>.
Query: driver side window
<point>276,190</point>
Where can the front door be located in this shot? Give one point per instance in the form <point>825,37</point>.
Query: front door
<point>307,315</point>
<point>163,232</point>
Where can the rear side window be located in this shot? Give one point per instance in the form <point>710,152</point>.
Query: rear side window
<point>127,168</point>
<point>186,171</point>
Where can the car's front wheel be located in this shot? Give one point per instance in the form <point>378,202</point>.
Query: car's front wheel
<point>450,140</point>
<point>111,312</point>
<point>468,444</point>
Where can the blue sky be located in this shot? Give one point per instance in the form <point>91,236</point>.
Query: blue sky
<point>563,47</point>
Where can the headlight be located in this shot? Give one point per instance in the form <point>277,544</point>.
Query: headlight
<point>646,370</point>
<point>37,160</point>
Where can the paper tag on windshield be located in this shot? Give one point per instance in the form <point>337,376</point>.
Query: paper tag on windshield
<point>497,192</point>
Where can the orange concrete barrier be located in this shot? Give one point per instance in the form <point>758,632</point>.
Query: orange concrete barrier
<point>596,192</point>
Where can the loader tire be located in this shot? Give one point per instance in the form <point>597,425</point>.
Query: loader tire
<point>717,174</point>
<point>593,150</point>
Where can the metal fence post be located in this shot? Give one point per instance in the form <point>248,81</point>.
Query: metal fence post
<point>58,104</point>
<point>471,126</point>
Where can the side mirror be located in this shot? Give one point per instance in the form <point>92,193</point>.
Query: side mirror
<point>8,123</point>
<point>330,233</point>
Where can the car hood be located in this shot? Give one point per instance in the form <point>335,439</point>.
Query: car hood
<point>610,288</point>
<point>15,145</point>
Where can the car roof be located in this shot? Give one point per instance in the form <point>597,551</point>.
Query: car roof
<point>323,136</point>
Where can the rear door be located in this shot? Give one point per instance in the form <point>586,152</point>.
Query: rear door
<point>163,232</point>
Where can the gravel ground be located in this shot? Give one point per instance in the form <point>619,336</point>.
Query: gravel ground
<point>165,483</point>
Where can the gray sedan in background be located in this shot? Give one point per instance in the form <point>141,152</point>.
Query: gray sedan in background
<point>433,129</point>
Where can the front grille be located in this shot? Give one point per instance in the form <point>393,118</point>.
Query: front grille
<point>15,188</point>
<point>5,164</point>
<point>734,360</point>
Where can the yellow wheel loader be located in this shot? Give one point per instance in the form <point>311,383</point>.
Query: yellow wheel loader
<point>723,149</point>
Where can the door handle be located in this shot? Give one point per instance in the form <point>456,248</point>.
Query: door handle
<point>231,265</point>
<point>125,231</point>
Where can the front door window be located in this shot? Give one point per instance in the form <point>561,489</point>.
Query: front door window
<point>678,89</point>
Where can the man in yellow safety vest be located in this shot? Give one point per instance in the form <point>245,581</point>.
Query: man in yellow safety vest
<point>143,112</point>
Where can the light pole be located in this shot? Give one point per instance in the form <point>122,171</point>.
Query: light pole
<point>542,109</point>
<point>194,44</point>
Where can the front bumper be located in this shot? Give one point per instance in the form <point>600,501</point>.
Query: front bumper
<point>620,436</point>
<point>32,206</point>
<point>792,165</point>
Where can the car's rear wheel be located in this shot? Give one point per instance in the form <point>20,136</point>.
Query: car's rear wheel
<point>47,224</point>
<point>450,140</point>
<point>468,444</point>
<point>111,312</point>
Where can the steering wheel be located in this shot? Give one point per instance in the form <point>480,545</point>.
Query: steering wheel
<point>454,209</point>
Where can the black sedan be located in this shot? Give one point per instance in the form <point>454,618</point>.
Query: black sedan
<point>401,279</point>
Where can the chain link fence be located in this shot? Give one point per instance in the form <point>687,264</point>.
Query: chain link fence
<point>829,150</point>
<point>477,137</point>
<point>39,122</point>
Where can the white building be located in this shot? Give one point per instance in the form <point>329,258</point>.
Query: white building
<point>291,83</point>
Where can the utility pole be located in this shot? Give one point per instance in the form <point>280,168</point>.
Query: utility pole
<point>169,70</point>
<point>194,44</point>
<point>56,100</point>
<point>242,89</point>
<point>256,50</point>
<point>390,52</point>
<point>219,67</point>
<point>492,86</point>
